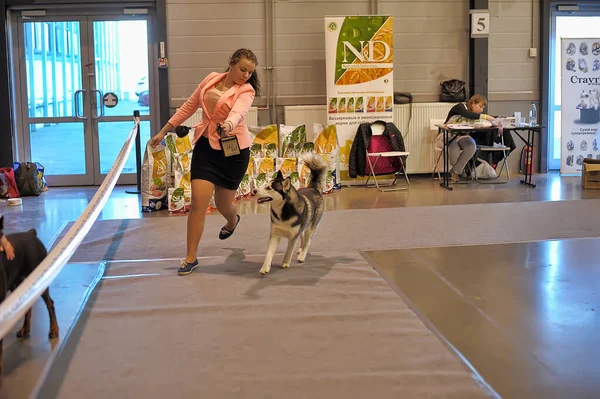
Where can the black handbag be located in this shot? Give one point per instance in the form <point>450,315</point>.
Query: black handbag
<point>453,91</point>
<point>404,98</point>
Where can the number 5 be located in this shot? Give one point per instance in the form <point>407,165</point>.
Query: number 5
<point>481,24</point>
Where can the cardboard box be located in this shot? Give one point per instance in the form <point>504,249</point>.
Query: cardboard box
<point>590,174</point>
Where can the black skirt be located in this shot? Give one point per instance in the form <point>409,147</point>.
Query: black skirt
<point>212,165</point>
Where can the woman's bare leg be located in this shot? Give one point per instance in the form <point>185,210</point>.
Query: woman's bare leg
<point>224,200</point>
<point>202,191</point>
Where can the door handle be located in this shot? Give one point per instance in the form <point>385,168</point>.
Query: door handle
<point>75,99</point>
<point>96,93</point>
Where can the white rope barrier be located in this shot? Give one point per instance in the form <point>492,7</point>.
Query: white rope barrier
<point>16,304</point>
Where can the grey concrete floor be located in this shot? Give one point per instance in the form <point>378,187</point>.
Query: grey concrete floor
<point>503,362</point>
<point>524,315</point>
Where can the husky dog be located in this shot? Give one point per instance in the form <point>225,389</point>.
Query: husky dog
<point>294,213</point>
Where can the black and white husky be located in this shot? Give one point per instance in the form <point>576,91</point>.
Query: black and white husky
<point>294,213</point>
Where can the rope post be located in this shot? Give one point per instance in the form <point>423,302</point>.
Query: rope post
<point>138,153</point>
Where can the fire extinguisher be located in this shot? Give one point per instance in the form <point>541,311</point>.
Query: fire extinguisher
<point>527,160</point>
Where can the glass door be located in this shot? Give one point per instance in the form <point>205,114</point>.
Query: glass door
<point>81,79</point>
<point>120,85</point>
<point>53,93</point>
<point>564,25</point>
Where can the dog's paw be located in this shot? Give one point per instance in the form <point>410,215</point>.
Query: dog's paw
<point>53,333</point>
<point>285,265</point>
<point>301,257</point>
<point>23,333</point>
<point>264,270</point>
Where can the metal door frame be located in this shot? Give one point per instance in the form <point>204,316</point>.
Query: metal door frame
<point>85,17</point>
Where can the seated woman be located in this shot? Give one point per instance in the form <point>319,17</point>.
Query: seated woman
<point>461,150</point>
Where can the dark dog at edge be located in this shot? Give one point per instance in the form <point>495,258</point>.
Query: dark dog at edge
<point>29,253</point>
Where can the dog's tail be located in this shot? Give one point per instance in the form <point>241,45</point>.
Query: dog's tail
<point>318,171</point>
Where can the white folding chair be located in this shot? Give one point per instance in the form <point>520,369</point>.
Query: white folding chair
<point>491,149</point>
<point>437,159</point>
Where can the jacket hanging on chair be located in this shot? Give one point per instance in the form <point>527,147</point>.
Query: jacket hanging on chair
<point>357,162</point>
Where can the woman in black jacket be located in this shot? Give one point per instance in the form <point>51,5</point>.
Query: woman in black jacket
<point>463,148</point>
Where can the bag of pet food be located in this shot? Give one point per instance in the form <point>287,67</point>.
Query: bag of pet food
<point>265,136</point>
<point>182,164</point>
<point>303,173</point>
<point>247,183</point>
<point>330,181</point>
<point>289,166</point>
<point>179,201</point>
<point>264,169</point>
<point>327,145</point>
<point>180,145</point>
<point>256,150</point>
<point>245,188</point>
<point>295,178</point>
<point>155,173</point>
<point>270,150</point>
<point>291,139</point>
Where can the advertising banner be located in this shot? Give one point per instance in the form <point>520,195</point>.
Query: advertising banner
<point>580,103</point>
<point>360,79</point>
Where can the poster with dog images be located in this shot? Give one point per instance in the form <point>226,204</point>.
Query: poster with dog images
<point>360,76</point>
<point>580,103</point>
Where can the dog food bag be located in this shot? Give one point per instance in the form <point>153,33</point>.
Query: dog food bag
<point>260,181</point>
<point>289,138</point>
<point>155,173</point>
<point>303,173</point>
<point>256,150</point>
<point>295,178</point>
<point>264,165</point>
<point>287,166</point>
<point>327,144</point>
<point>182,164</point>
<point>245,188</point>
<point>289,151</point>
<point>330,180</point>
<point>176,200</point>
<point>317,130</point>
<point>270,150</point>
<point>251,170</point>
<point>180,145</point>
<point>265,136</point>
<point>307,148</point>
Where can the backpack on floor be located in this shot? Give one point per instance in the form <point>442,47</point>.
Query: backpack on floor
<point>27,177</point>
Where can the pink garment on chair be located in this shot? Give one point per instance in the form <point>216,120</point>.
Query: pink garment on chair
<point>385,165</point>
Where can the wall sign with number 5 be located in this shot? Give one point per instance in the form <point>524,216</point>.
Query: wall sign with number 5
<point>480,23</point>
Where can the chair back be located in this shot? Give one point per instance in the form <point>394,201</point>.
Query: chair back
<point>384,165</point>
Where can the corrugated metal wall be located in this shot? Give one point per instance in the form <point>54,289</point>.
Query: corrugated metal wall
<point>431,44</point>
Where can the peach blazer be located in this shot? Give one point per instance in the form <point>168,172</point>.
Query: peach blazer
<point>232,107</point>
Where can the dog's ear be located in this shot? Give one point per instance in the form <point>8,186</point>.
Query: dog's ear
<point>279,175</point>
<point>287,184</point>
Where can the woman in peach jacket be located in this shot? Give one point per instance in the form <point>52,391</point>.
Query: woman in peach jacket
<point>225,99</point>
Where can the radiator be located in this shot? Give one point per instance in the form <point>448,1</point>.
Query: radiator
<point>251,118</point>
<point>418,140</point>
<point>305,114</point>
